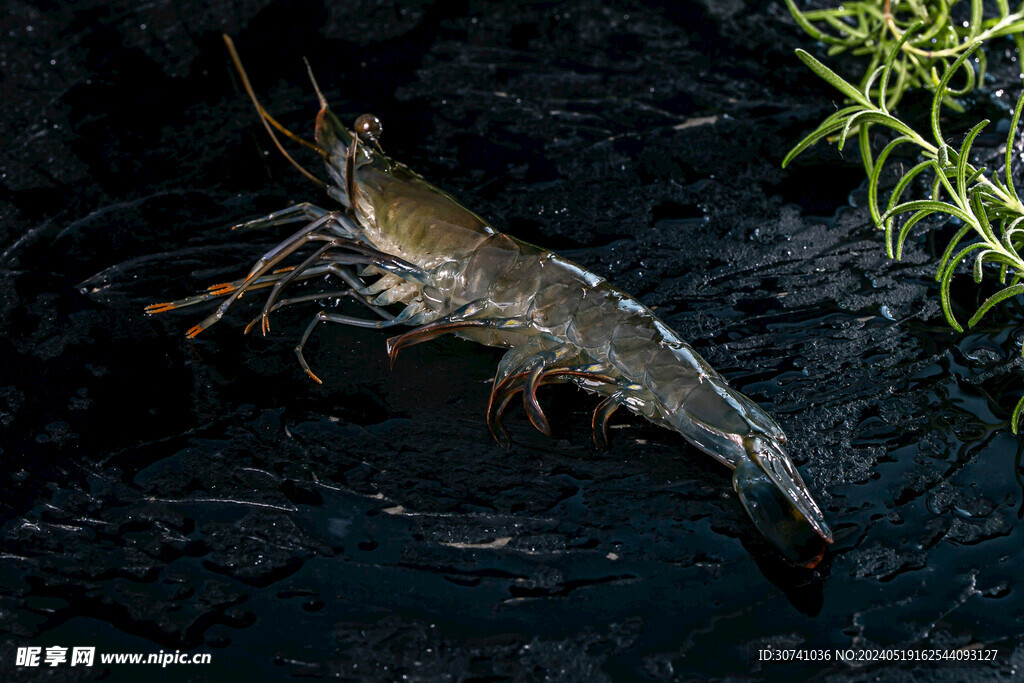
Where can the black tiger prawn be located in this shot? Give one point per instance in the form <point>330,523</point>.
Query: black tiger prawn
<point>453,273</point>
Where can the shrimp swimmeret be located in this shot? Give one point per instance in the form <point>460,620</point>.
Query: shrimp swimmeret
<point>453,273</point>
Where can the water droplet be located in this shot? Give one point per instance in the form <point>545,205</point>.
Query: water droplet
<point>982,355</point>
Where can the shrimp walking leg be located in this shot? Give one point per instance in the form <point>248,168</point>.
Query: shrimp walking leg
<point>502,393</point>
<point>283,282</point>
<point>377,258</point>
<point>515,356</point>
<point>599,422</point>
<point>265,263</point>
<point>336,294</point>
<point>354,291</point>
<point>533,369</point>
<point>337,260</point>
<point>327,317</point>
<point>293,214</point>
<point>461,319</point>
<point>222,289</point>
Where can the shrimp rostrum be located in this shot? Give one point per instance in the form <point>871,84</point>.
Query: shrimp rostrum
<point>451,272</point>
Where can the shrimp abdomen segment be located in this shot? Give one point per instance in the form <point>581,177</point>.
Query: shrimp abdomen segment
<point>500,269</point>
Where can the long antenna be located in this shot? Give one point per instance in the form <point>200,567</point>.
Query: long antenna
<point>319,95</point>
<point>267,120</point>
<point>302,141</point>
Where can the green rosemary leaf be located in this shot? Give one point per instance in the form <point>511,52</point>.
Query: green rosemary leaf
<point>836,117</point>
<point>964,155</point>
<point>1009,146</point>
<point>883,86</point>
<point>947,278</point>
<point>970,80</point>
<point>810,28</point>
<point>1015,418</point>
<point>1012,229</point>
<point>819,133</point>
<point>869,81</point>
<point>897,253</point>
<point>942,174</point>
<point>973,178</point>
<point>939,24</point>
<point>856,37</point>
<point>875,175</point>
<point>931,205</point>
<point>960,234</point>
<point>905,181</point>
<point>864,137</point>
<point>903,81</point>
<point>1001,295</point>
<point>982,223</point>
<point>979,261</point>
<point>833,79</point>
<point>936,188</point>
<point>955,261</point>
<point>977,8</point>
<point>941,90</point>
<point>947,310</point>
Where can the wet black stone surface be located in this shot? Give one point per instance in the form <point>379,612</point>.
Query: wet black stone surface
<point>205,496</point>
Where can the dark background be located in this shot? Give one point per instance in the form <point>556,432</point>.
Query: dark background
<point>205,496</point>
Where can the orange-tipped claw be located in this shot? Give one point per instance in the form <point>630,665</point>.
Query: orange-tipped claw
<point>264,321</point>
<point>160,308</point>
<point>194,331</point>
<point>283,270</point>
<point>221,289</point>
<point>314,377</point>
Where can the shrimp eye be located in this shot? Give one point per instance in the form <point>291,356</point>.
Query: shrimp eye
<point>368,128</point>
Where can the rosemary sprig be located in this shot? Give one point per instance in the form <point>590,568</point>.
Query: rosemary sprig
<point>870,28</point>
<point>988,206</point>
